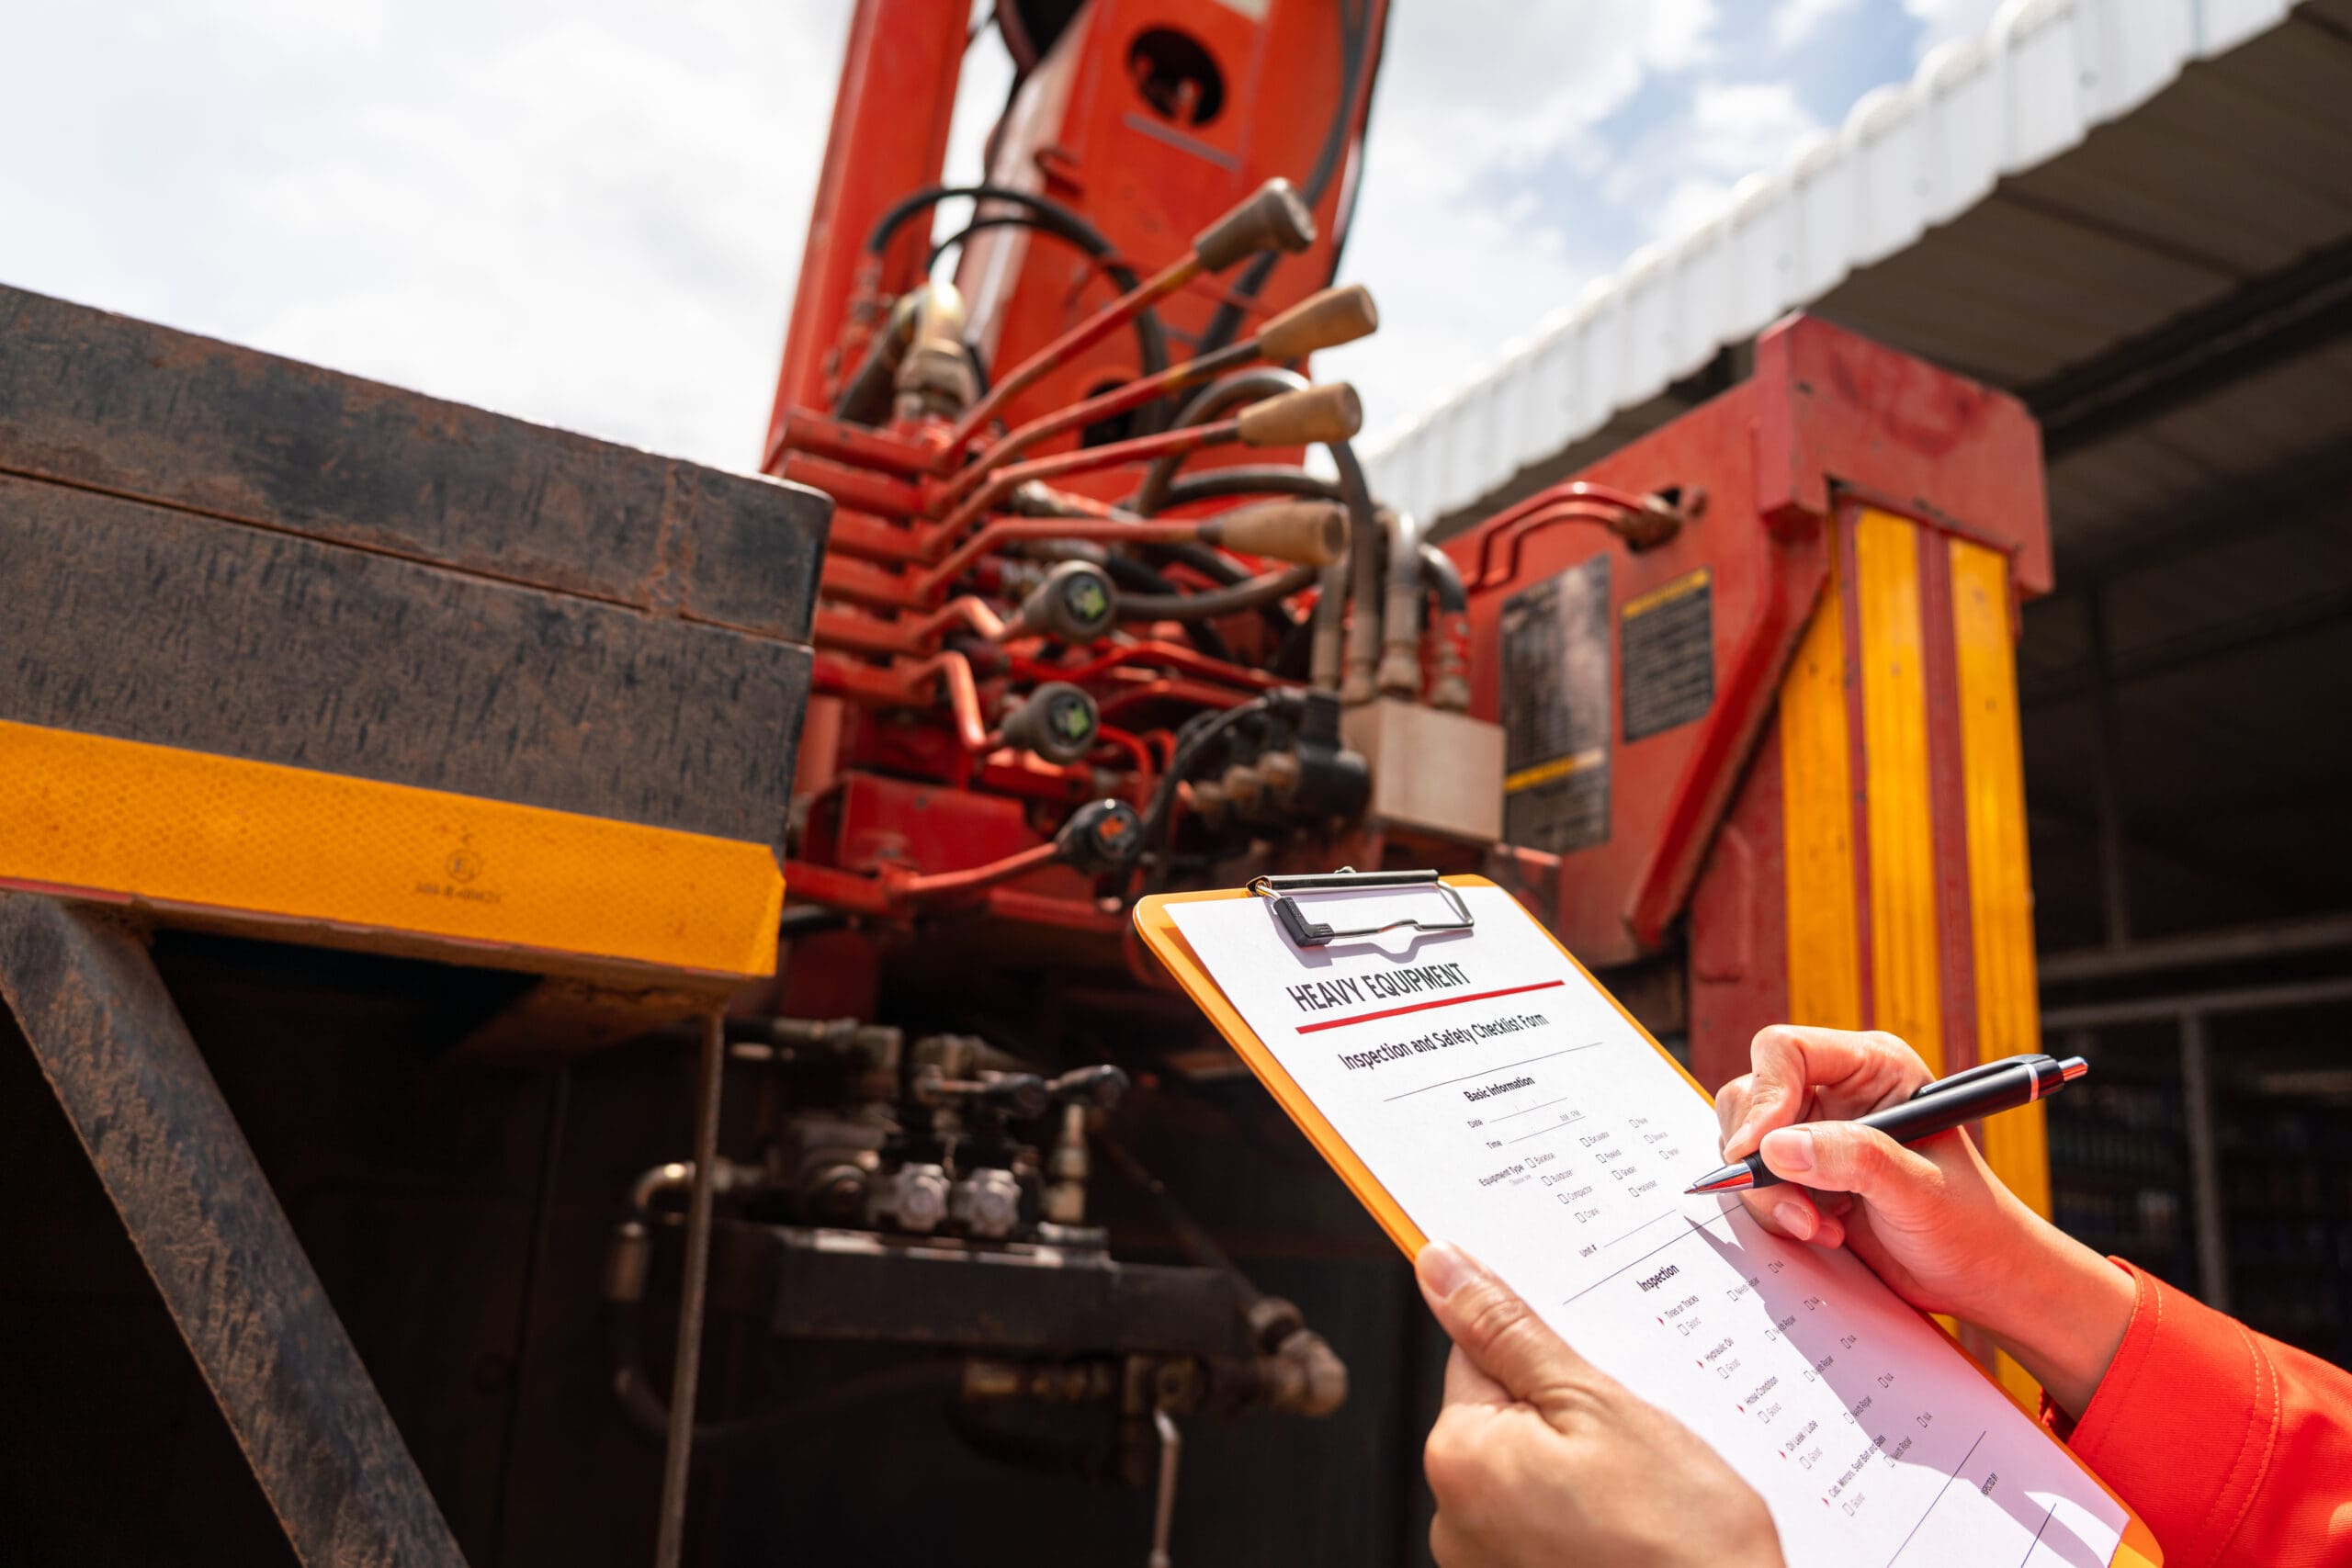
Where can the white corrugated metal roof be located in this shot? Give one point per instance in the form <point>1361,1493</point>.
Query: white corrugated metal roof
<point>1908,159</point>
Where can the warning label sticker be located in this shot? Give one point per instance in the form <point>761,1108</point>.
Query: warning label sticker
<point>1669,655</point>
<point>1555,711</point>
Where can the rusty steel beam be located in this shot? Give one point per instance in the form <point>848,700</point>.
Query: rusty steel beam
<point>215,1241</point>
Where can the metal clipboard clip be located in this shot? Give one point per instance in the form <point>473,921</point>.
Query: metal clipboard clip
<point>1311,933</point>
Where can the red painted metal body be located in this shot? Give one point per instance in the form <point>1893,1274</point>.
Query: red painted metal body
<point>909,804</point>
<point>888,136</point>
<point>1828,418</point>
<point>900,780</point>
<point>1150,175</point>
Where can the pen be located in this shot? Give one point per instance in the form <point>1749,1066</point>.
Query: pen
<point>1937,1107</point>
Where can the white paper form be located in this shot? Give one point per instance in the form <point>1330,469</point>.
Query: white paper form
<point>1507,1107</point>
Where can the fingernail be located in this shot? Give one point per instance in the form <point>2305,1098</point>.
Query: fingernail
<point>1445,1268</point>
<point>1796,1219</point>
<point>1789,1149</point>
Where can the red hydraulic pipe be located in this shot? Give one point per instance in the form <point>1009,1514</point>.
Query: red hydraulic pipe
<point>1191,438</point>
<point>1078,340</point>
<point>1118,400</point>
<point>940,883</point>
<point>1601,498</point>
<point>1173,655</point>
<point>801,431</point>
<point>1516,535</point>
<point>905,687</point>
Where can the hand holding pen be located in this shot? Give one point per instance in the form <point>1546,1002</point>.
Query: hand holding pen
<point>1939,1106</point>
<point>1930,1219</point>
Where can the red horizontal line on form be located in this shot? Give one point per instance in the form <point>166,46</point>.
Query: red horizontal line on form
<point>1424,1007</point>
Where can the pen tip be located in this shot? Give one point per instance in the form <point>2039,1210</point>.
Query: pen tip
<point>1737,1178</point>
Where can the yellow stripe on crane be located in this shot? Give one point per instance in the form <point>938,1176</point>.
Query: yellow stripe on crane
<point>1816,827</point>
<point>1905,961</point>
<point>237,838</point>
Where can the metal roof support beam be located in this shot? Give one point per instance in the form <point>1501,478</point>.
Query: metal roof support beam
<point>2259,325</point>
<point>2277,623</point>
<point>2234,945</point>
<point>2285,996</point>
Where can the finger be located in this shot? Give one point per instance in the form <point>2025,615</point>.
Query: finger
<point>1847,1072</point>
<point>1846,1156</point>
<point>1731,1104</point>
<point>1465,1384</point>
<point>1447,1547</point>
<point>1784,1210</point>
<point>1499,1333</point>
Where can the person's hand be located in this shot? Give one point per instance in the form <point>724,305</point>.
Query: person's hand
<point>1931,1219</point>
<point>1541,1458</point>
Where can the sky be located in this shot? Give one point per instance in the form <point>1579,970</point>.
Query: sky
<point>590,212</point>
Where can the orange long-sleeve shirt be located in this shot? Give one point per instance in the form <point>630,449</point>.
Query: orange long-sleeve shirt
<point>2236,1450</point>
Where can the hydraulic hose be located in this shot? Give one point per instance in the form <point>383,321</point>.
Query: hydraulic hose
<point>1052,217</point>
<point>1356,52</point>
<point>1220,484</point>
<point>1273,587</point>
<point>1212,403</point>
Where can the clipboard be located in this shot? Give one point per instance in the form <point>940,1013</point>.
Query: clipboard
<point>1158,930</point>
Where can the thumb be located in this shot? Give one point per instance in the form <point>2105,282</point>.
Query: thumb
<point>1496,1330</point>
<point>1846,1156</point>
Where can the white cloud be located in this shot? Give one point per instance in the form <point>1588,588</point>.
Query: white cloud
<point>1794,21</point>
<point>588,216</point>
<point>1459,233</point>
<point>592,214</point>
<point>1729,131</point>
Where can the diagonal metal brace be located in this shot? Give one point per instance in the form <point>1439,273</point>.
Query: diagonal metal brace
<point>213,1238</point>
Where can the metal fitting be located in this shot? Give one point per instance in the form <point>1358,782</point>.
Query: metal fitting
<point>913,1197</point>
<point>986,1204</point>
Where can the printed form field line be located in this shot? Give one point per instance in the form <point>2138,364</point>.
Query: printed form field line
<point>1638,1229</point>
<point>1490,1072</point>
<point>1541,1131</point>
<point>1496,1121</point>
<point>1696,1226</point>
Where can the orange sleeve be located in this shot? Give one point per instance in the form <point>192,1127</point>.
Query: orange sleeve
<point>2235,1449</point>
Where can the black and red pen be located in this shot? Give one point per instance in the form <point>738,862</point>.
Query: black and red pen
<point>1937,1107</point>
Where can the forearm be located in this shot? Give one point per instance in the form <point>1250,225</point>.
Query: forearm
<point>2065,1314</point>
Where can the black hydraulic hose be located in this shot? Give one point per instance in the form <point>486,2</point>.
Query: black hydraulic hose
<point>1220,484</point>
<point>1130,575</point>
<point>1444,580</point>
<point>1206,404</point>
<point>1052,217</point>
<point>1205,559</point>
<point>1365,559</point>
<point>1271,588</point>
<point>1134,580</point>
<point>1201,559</point>
<point>994,220</point>
<point>800,1419</point>
<point>809,920</point>
<point>1191,741</point>
<point>1355,36</point>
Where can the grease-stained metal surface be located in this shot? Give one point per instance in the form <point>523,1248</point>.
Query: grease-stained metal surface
<point>215,1241</point>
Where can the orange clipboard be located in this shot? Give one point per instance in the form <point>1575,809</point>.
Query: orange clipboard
<point>1157,929</point>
